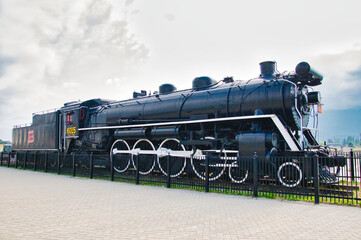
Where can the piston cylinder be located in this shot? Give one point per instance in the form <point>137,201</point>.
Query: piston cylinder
<point>260,143</point>
<point>137,133</point>
<point>164,132</point>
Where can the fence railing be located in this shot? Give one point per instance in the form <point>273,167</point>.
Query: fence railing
<point>314,179</point>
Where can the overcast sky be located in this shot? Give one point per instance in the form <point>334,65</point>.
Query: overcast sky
<point>53,52</point>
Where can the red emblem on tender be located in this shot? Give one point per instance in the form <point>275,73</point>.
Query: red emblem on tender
<point>31,136</point>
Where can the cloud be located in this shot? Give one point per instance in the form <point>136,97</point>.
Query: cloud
<point>341,88</point>
<point>356,74</point>
<point>61,51</point>
<point>6,95</point>
<point>129,2</point>
<point>4,62</point>
<point>82,45</point>
<point>170,17</point>
<point>98,13</point>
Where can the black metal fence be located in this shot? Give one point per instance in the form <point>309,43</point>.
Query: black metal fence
<point>303,178</point>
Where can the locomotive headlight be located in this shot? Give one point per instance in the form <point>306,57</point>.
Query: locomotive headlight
<point>314,98</point>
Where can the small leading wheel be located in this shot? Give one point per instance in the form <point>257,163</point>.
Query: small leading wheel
<point>178,163</point>
<point>121,161</point>
<point>53,160</point>
<point>217,165</point>
<point>289,174</point>
<point>83,161</point>
<point>145,159</point>
<point>237,174</point>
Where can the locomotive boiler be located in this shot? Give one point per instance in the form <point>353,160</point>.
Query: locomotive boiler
<point>224,121</point>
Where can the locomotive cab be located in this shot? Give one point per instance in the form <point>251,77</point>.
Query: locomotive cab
<point>77,115</point>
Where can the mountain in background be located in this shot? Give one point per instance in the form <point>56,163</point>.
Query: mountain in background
<point>340,123</point>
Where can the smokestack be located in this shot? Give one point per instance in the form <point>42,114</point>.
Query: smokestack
<point>267,69</point>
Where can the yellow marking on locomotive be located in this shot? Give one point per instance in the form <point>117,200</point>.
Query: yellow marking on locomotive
<point>71,131</point>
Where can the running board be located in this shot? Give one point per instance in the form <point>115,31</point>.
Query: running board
<point>310,138</point>
<point>285,134</point>
<point>282,129</point>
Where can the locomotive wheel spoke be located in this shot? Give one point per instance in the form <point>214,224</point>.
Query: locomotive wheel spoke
<point>237,174</point>
<point>178,163</point>
<point>146,161</point>
<point>216,167</point>
<point>289,174</point>
<point>121,161</point>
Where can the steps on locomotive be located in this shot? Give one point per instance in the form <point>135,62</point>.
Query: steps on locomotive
<point>310,138</point>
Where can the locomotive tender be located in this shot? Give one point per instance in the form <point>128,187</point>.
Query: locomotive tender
<point>224,120</point>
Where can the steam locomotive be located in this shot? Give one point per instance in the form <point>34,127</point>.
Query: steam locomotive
<point>224,121</point>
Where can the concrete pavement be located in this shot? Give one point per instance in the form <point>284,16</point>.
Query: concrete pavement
<point>35,205</point>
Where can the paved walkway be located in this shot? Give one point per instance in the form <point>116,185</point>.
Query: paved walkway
<point>36,205</point>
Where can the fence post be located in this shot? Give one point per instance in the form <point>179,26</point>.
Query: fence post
<point>35,162</point>
<point>111,170</point>
<point>137,169</point>
<point>168,171</point>
<point>16,160</point>
<point>352,166</point>
<point>74,167</point>
<point>255,175</point>
<point>91,165</point>
<point>316,179</point>
<point>358,164</point>
<point>9,159</point>
<point>64,159</point>
<point>46,162</point>
<point>207,174</point>
<point>1,160</point>
<point>58,162</point>
<point>26,158</point>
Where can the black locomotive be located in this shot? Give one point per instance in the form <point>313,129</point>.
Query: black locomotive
<point>225,120</point>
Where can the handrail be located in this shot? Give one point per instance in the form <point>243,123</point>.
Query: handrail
<point>22,125</point>
<point>46,111</point>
